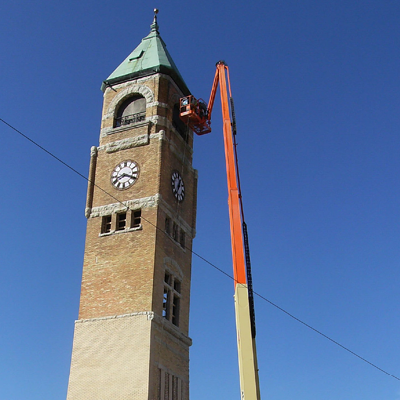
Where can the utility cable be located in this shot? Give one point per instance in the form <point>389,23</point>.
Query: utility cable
<point>201,257</point>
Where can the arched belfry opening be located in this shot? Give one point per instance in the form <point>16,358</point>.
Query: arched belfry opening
<point>130,111</point>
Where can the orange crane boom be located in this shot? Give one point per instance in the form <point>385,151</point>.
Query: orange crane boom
<point>197,115</point>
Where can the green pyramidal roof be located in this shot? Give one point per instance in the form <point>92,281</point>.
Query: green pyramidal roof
<point>151,56</point>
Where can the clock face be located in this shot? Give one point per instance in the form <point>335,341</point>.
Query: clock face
<point>178,187</point>
<point>125,174</point>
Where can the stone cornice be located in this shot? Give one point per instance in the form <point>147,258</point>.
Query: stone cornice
<point>165,325</point>
<point>149,314</point>
<point>169,327</point>
<point>145,202</point>
<point>137,141</point>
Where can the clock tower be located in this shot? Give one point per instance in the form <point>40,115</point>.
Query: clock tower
<point>131,338</point>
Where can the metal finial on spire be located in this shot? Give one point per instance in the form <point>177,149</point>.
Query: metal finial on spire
<point>154,25</point>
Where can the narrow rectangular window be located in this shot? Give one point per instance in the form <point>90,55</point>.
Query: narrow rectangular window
<point>175,310</point>
<point>136,218</point>
<point>175,231</point>
<point>182,238</point>
<point>106,224</point>
<point>177,286</point>
<point>165,311</point>
<point>121,221</point>
<point>168,225</point>
<point>171,298</point>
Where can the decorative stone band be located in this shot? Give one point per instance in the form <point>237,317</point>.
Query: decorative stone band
<point>159,135</point>
<point>151,316</point>
<point>143,140</point>
<point>157,103</point>
<point>154,120</point>
<point>124,144</point>
<point>145,202</point>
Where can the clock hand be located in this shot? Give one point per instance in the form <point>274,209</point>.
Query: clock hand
<point>119,177</point>
<point>125,176</point>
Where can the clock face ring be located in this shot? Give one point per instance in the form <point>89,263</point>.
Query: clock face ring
<point>178,186</point>
<point>125,174</point>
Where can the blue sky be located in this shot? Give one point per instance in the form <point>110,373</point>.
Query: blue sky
<point>317,97</point>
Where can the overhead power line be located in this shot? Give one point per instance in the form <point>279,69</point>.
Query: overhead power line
<point>201,257</point>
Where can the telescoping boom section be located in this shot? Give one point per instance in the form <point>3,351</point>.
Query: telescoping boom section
<point>197,115</point>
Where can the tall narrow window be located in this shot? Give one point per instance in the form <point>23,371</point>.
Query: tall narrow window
<point>177,286</point>
<point>121,221</point>
<point>175,231</point>
<point>171,298</point>
<point>106,224</point>
<point>168,225</point>
<point>165,312</point>
<point>175,310</point>
<point>136,218</point>
<point>182,238</point>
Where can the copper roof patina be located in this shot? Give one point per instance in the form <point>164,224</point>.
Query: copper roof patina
<point>151,56</point>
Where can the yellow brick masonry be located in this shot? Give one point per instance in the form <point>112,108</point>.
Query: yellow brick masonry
<point>110,359</point>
